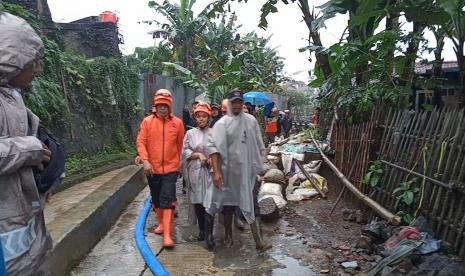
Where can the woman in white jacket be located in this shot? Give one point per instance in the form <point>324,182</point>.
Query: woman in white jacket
<point>196,163</point>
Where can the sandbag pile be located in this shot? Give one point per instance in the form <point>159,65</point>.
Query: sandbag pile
<point>270,194</point>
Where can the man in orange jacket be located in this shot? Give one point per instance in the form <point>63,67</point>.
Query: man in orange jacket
<point>159,145</point>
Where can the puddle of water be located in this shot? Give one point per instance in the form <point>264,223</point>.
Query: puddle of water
<point>292,266</point>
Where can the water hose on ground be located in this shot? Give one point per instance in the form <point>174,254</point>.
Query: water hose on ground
<point>150,259</point>
<point>2,261</point>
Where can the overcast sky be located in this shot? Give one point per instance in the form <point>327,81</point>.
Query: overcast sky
<point>286,27</point>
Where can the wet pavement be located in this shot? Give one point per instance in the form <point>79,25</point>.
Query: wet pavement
<point>304,243</point>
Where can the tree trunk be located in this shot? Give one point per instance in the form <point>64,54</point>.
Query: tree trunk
<point>411,54</point>
<point>309,17</point>
<point>461,64</point>
<point>392,23</point>
<point>437,68</point>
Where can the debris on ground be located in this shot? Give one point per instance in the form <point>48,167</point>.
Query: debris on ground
<point>352,264</point>
<point>379,249</point>
<point>357,216</point>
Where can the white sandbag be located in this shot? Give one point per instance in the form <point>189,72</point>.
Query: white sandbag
<point>278,200</point>
<point>274,191</point>
<point>270,189</point>
<point>287,160</point>
<point>273,159</point>
<point>312,167</point>
<point>305,193</point>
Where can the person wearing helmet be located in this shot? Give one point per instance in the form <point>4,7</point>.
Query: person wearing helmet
<point>237,155</point>
<point>159,145</point>
<point>272,125</point>
<point>216,114</point>
<point>196,168</point>
<point>23,234</point>
<point>286,123</point>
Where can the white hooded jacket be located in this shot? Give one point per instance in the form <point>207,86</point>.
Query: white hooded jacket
<point>22,228</point>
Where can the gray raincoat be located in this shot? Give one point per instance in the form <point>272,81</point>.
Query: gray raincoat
<point>238,141</point>
<point>22,228</point>
<point>200,188</point>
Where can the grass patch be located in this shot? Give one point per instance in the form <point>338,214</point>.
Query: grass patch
<point>85,162</point>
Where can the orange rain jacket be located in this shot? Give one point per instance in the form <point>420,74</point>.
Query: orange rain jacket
<point>160,140</point>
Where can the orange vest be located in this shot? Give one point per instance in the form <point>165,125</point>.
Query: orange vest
<point>160,141</point>
<point>272,127</point>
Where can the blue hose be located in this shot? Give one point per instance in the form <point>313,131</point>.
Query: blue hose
<point>152,262</point>
<point>2,261</point>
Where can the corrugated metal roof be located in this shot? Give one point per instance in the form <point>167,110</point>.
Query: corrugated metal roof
<point>447,66</point>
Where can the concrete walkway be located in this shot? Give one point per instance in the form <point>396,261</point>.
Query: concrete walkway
<point>117,254</point>
<point>80,216</point>
<point>65,200</point>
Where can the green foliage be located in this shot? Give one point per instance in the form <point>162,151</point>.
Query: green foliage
<point>149,60</point>
<point>212,57</point>
<point>367,67</point>
<point>106,87</point>
<point>375,172</point>
<point>406,198</point>
<point>22,12</point>
<point>405,193</point>
<point>84,162</point>
<point>406,217</point>
<point>316,132</point>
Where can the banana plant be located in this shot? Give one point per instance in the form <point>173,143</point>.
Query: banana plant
<point>183,26</point>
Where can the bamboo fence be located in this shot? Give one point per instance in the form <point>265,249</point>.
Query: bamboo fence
<point>426,148</point>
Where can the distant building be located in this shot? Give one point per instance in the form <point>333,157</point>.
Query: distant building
<point>293,85</point>
<point>92,36</point>
<point>448,92</point>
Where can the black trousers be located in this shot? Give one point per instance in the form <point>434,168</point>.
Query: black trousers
<point>163,190</point>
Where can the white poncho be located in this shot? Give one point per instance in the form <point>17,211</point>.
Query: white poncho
<point>238,140</point>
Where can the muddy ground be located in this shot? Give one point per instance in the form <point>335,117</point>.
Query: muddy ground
<point>306,241</point>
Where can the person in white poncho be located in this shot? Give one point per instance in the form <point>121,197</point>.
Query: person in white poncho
<point>237,153</point>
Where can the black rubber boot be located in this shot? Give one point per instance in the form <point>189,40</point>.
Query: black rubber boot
<point>209,223</point>
<point>260,243</point>
<point>200,213</point>
<point>238,221</point>
<point>228,220</point>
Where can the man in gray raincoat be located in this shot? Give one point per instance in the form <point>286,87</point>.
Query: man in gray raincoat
<point>236,162</point>
<point>22,228</point>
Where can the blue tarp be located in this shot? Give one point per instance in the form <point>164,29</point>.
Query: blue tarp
<point>268,109</point>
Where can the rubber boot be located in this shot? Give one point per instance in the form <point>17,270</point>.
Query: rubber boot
<point>228,220</point>
<point>260,243</point>
<point>209,223</point>
<point>168,227</point>
<point>200,213</point>
<point>238,222</point>
<point>159,229</point>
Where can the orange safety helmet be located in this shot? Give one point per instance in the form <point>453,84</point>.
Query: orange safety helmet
<point>203,107</point>
<point>162,96</point>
